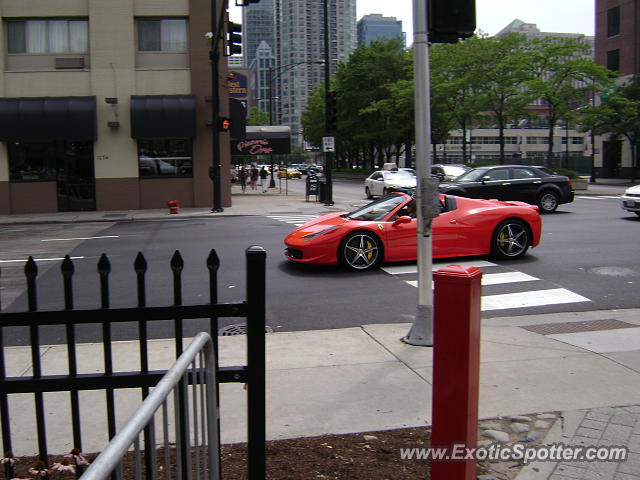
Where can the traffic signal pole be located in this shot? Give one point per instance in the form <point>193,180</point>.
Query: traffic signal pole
<point>421,332</point>
<point>328,160</point>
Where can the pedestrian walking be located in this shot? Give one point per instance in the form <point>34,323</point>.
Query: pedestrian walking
<point>263,179</point>
<point>242,178</point>
<point>254,177</point>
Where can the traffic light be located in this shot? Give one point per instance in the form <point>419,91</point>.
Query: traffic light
<point>450,20</point>
<point>234,39</point>
<point>224,124</point>
<point>331,111</point>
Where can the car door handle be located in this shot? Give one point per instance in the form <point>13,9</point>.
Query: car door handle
<point>507,183</point>
<point>453,221</point>
<point>538,181</point>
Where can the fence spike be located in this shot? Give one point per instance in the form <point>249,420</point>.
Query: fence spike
<point>140,264</point>
<point>177,263</point>
<point>213,262</point>
<point>67,267</point>
<point>104,265</point>
<point>30,268</point>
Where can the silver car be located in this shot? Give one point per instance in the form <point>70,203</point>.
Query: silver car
<point>381,182</point>
<point>631,200</point>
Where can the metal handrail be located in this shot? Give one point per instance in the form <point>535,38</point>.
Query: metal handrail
<point>111,456</point>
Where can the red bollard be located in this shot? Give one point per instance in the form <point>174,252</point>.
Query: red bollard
<point>456,367</point>
<point>173,206</point>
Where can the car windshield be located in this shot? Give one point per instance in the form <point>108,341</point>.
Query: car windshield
<point>377,210</point>
<point>472,175</point>
<point>454,170</point>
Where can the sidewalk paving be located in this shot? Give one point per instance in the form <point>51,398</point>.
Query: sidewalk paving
<point>585,365</point>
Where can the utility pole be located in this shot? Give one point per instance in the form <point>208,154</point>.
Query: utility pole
<point>421,332</point>
<point>328,160</point>
<point>214,55</point>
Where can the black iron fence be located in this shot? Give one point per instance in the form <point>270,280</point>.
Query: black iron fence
<point>105,318</point>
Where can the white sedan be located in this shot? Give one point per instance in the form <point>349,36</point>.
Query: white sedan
<point>381,182</point>
<point>631,200</point>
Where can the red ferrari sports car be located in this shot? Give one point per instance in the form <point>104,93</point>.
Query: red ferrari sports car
<point>384,231</point>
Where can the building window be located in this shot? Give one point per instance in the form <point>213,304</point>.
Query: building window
<point>166,157</point>
<point>613,60</point>
<point>165,35</point>
<point>47,36</point>
<point>613,22</point>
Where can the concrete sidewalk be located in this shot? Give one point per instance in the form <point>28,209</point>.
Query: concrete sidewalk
<point>366,379</point>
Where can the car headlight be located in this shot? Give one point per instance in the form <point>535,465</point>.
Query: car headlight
<point>311,236</point>
<point>393,186</point>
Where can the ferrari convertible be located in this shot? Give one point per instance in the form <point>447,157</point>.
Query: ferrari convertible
<point>385,231</point>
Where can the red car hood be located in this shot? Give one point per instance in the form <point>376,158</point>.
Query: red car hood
<point>320,223</point>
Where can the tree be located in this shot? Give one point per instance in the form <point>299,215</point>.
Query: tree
<point>504,72</point>
<point>455,83</point>
<point>564,78</point>
<point>257,117</point>
<point>619,116</point>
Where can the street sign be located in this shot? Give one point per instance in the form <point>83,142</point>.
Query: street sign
<point>328,144</point>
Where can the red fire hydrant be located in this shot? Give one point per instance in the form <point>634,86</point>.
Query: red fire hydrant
<point>173,206</point>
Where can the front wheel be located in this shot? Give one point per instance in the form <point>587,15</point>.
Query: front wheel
<point>510,239</point>
<point>360,251</point>
<point>548,202</point>
<point>367,192</point>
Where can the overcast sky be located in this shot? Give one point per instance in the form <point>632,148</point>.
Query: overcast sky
<point>566,16</point>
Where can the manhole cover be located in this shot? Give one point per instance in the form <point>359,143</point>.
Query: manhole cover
<point>239,329</point>
<point>576,327</point>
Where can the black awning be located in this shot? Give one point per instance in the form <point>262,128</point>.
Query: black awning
<point>44,119</point>
<point>163,116</point>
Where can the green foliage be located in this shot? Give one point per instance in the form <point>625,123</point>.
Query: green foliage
<point>483,81</point>
<point>257,117</point>
<point>567,173</point>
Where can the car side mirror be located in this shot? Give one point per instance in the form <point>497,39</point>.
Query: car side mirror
<point>486,178</point>
<point>401,220</point>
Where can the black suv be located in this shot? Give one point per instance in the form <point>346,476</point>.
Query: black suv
<point>536,185</point>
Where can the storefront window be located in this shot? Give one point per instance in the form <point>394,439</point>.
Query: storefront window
<point>167,157</point>
<point>32,161</point>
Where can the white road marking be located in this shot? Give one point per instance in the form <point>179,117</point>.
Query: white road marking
<point>534,298</point>
<point>78,238</point>
<point>496,278</point>
<point>599,197</point>
<point>40,260</point>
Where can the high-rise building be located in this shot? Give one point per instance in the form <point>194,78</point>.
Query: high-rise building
<point>258,25</point>
<point>300,52</point>
<point>261,67</point>
<point>376,27</point>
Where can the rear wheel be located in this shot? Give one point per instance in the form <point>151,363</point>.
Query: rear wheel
<point>548,201</point>
<point>360,251</point>
<point>510,239</point>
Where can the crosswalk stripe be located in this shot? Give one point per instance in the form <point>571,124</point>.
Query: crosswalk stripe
<point>497,278</point>
<point>403,269</point>
<point>534,298</point>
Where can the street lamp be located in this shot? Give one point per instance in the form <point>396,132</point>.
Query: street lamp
<point>273,74</point>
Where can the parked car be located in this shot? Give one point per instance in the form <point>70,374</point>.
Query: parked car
<point>381,182</point>
<point>382,232</point>
<point>536,185</point>
<point>448,172</point>
<point>631,200</point>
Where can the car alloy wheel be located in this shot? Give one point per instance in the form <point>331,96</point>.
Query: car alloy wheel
<point>360,251</point>
<point>548,202</point>
<point>510,239</point>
